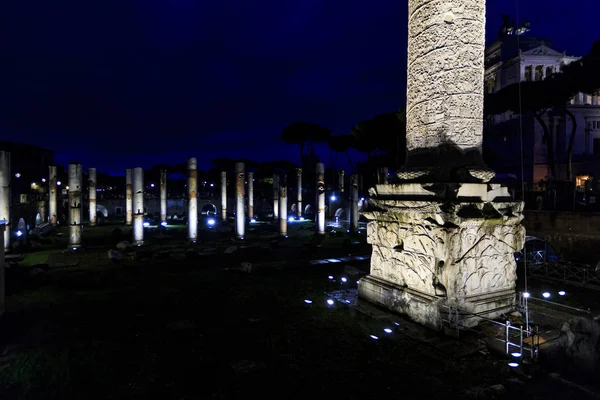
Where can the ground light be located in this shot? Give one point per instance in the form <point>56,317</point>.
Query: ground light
<point>562,293</point>
<point>301,218</point>
<point>396,323</point>
<point>146,224</point>
<point>526,295</point>
<point>332,198</point>
<point>308,301</point>
<point>374,337</point>
<point>546,295</point>
<point>344,279</point>
<point>164,223</point>
<point>330,277</point>
<point>19,233</point>
<point>291,219</point>
<point>516,355</point>
<point>330,302</point>
<point>253,220</point>
<point>387,330</point>
<point>210,221</point>
<point>513,364</point>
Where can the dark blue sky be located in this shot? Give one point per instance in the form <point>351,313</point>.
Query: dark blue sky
<point>119,83</point>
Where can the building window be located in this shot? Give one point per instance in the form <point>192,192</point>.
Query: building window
<point>528,70</point>
<point>596,146</point>
<point>581,180</point>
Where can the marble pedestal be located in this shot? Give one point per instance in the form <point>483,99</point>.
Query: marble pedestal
<point>444,244</point>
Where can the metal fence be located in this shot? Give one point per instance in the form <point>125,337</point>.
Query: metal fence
<point>582,275</point>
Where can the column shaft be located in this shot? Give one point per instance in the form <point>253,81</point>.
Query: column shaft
<point>250,194</point>
<point>275,196</point>
<point>299,176</point>
<point>240,217</point>
<point>163,196</point>
<point>128,197</point>
<point>52,189</point>
<point>75,223</point>
<point>192,199</point>
<point>354,204</point>
<point>5,198</point>
<point>223,195</point>
<point>138,206</point>
<point>320,216</point>
<point>92,196</point>
<point>283,205</point>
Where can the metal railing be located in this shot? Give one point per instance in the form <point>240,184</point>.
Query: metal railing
<point>571,273</point>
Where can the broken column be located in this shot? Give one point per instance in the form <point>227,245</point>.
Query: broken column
<point>444,238</point>
<point>320,214</point>
<point>240,217</point>
<point>163,197</point>
<point>138,206</point>
<point>354,204</point>
<point>192,200</point>
<point>92,196</point>
<point>52,205</point>
<point>299,176</point>
<point>224,195</point>
<point>283,205</point>
<point>250,194</point>
<point>5,175</point>
<point>75,212</point>
<point>276,196</point>
<point>128,197</point>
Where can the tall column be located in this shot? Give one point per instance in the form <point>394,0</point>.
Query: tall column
<point>299,176</point>
<point>354,204</point>
<point>240,218</point>
<point>341,182</point>
<point>383,176</point>
<point>320,216</point>
<point>275,196</point>
<point>75,223</point>
<point>5,197</point>
<point>250,194</point>
<point>128,197</point>
<point>92,196</point>
<point>138,206</point>
<point>224,195</point>
<point>52,208</point>
<point>192,199</point>
<point>444,111</point>
<point>2,273</point>
<point>283,205</point>
<point>163,196</point>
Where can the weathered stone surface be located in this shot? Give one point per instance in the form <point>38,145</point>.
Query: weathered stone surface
<point>453,252</point>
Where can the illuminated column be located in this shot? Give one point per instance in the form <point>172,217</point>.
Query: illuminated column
<point>275,196</point>
<point>52,209</point>
<point>224,195</point>
<point>163,196</point>
<point>5,195</point>
<point>383,176</point>
<point>320,217</point>
<point>92,201</point>
<point>128,197</point>
<point>299,176</point>
<point>138,206</point>
<point>240,218</point>
<point>341,181</point>
<point>283,205</point>
<point>354,204</point>
<point>2,273</point>
<point>75,223</point>
<point>250,194</point>
<point>192,199</point>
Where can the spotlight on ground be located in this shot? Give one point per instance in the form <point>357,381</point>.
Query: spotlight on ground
<point>513,364</point>
<point>164,223</point>
<point>387,330</point>
<point>546,295</point>
<point>301,218</point>
<point>374,337</point>
<point>291,219</point>
<point>330,302</point>
<point>308,301</point>
<point>19,233</point>
<point>210,221</point>
<point>253,220</point>
<point>344,279</point>
<point>562,293</point>
<point>526,295</point>
<point>330,277</point>
<point>146,224</point>
<point>516,355</point>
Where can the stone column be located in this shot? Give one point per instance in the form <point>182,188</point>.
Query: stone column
<point>92,195</point>
<point>341,181</point>
<point>224,195</point>
<point>444,110</point>
<point>5,175</point>
<point>138,206</point>
<point>163,196</point>
<point>250,194</point>
<point>275,196</point>
<point>354,205</point>
<point>128,197</point>
<point>240,217</point>
<point>192,199</point>
<point>283,205</point>
<point>299,201</point>
<point>320,215</point>
<point>75,223</point>
<point>383,176</point>
<point>2,274</point>
<point>52,205</point>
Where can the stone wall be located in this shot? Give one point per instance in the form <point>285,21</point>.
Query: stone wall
<point>575,236</point>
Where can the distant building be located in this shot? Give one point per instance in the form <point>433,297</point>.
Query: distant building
<point>518,58</point>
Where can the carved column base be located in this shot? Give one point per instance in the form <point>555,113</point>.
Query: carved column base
<point>443,245</point>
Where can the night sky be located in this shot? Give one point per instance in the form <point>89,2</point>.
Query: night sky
<point>118,83</point>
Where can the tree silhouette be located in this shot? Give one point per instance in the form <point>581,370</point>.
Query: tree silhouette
<point>305,135</point>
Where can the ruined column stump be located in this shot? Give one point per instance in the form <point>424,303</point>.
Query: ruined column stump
<point>437,245</point>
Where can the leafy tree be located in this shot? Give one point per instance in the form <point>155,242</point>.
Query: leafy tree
<point>384,132</point>
<point>305,135</point>
<point>341,144</point>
